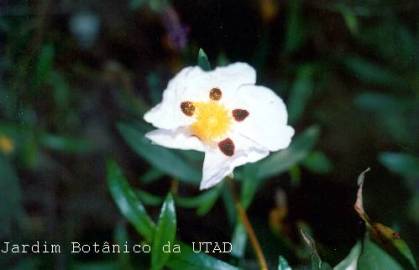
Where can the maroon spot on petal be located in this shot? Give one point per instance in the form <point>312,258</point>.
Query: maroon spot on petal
<point>240,115</point>
<point>227,147</point>
<point>187,108</point>
<point>215,94</point>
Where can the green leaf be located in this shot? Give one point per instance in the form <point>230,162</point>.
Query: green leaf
<point>187,259</point>
<point>277,163</point>
<point>283,264</point>
<point>351,261</point>
<point>350,18</point>
<point>391,112</point>
<point>401,163</point>
<point>372,73</point>
<point>239,240</point>
<point>44,64</point>
<point>295,33</point>
<point>203,61</point>
<point>128,202</point>
<point>136,4</point>
<point>151,175</point>
<point>148,198</point>
<point>285,159</point>
<point>318,162</point>
<point>301,92</point>
<point>165,234</point>
<point>61,89</point>
<point>121,237</point>
<point>65,144</point>
<point>161,158</point>
<point>11,205</point>
<point>203,202</point>
<point>316,261</point>
<point>375,258</point>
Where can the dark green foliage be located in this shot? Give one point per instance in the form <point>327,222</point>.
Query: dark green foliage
<point>347,71</point>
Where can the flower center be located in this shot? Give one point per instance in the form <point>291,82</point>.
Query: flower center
<point>212,121</point>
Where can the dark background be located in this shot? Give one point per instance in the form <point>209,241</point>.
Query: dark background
<point>71,70</point>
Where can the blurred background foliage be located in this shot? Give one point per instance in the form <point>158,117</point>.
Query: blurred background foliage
<point>76,77</point>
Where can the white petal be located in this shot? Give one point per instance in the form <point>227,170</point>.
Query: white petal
<point>227,79</point>
<point>167,114</point>
<point>217,165</point>
<point>266,124</point>
<point>194,84</point>
<point>178,139</point>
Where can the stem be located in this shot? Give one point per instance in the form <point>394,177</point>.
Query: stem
<point>248,227</point>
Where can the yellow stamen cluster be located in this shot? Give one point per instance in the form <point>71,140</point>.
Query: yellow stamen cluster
<point>213,121</point>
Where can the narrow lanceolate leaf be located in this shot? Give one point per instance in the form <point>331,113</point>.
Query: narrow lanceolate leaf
<point>316,261</point>
<point>351,261</point>
<point>283,264</point>
<point>239,240</point>
<point>120,237</point>
<point>128,202</point>
<point>164,235</point>
<point>187,259</point>
<point>372,73</point>
<point>203,61</point>
<point>202,202</point>
<point>161,158</point>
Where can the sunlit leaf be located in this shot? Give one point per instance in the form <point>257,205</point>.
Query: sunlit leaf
<point>128,202</point>
<point>165,234</point>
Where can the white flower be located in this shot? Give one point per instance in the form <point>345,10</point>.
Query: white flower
<point>222,113</point>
